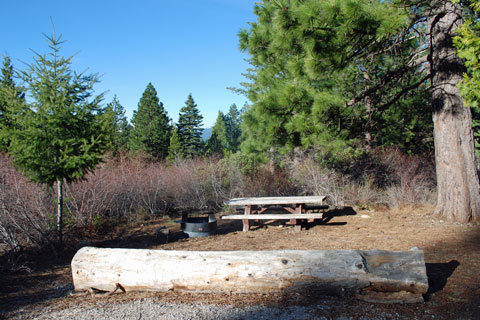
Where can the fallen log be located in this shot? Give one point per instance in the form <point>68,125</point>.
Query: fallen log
<point>398,276</point>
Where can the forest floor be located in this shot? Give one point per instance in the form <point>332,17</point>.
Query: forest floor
<point>452,256</point>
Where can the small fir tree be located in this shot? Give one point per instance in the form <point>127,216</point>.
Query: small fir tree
<point>174,149</point>
<point>151,129</point>
<point>60,134</point>
<point>190,129</point>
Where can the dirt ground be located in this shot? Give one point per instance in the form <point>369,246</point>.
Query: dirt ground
<point>452,255</point>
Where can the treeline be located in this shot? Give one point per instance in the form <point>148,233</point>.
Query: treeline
<point>152,133</point>
<point>333,82</point>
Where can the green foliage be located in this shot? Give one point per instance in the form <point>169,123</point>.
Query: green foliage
<point>119,126</point>
<point>226,133</point>
<point>10,94</point>
<point>333,76</point>
<point>190,129</point>
<point>151,126</point>
<point>468,48</point>
<point>217,143</point>
<point>174,148</point>
<point>60,133</point>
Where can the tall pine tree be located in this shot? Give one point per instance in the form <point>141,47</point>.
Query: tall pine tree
<point>331,73</point>
<point>151,129</point>
<point>190,129</point>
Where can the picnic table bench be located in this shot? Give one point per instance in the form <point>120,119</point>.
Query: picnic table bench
<point>297,209</point>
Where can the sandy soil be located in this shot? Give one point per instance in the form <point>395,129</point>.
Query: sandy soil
<point>452,255</point>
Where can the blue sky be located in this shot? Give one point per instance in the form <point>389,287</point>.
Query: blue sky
<point>180,46</point>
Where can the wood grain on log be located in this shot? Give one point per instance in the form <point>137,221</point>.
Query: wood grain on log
<point>337,272</point>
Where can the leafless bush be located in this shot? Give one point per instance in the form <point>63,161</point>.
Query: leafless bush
<point>313,179</point>
<point>414,179</point>
<point>25,209</point>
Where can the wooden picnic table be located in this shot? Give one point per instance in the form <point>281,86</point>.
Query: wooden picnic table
<point>297,208</point>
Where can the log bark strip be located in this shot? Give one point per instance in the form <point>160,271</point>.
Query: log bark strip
<point>331,272</point>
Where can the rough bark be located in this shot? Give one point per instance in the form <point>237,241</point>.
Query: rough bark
<point>383,275</point>
<point>458,186</point>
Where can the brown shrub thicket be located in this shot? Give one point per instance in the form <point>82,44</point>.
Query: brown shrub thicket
<point>125,188</point>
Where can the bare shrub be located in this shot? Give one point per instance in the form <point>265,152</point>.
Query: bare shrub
<point>313,179</point>
<point>414,179</point>
<point>25,210</point>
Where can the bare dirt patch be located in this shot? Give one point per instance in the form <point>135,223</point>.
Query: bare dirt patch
<point>452,255</point>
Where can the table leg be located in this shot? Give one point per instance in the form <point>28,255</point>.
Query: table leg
<point>246,222</point>
<point>298,224</point>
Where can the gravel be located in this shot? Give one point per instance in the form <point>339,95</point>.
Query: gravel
<point>150,308</point>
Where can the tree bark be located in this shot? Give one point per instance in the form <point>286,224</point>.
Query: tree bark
<point>389,276</point>
<point>458,186</point>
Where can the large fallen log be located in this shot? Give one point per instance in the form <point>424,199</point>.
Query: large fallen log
<point>373,275</point>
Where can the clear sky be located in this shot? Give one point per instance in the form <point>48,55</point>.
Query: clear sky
<point>180,46</point>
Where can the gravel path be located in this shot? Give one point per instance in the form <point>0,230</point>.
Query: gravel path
<point>149,308</point>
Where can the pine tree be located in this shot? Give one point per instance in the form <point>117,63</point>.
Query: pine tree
<point>190,129</point>
<point>329,74</point>
<point>60,133</point>
<point>151,129</point>
<point>9,94</point>
<point>226,133</point>
<point>467,43</point>
<point>233,122</point>
<point>174,148</point>
<point>119,126</point>
<point>217,144</point>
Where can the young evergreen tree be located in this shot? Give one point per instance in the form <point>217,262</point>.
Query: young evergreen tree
<point>190,129</point>
<point>151,129</point>
<point>217,144</point>
<point>233,122</point>
<point>10,93</point>
<point>60,133</point>
<point>174,148</point>
<point>119,126</point>
<point>226,133</point>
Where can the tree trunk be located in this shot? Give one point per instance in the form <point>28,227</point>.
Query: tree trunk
<point>389,276</point>
<point>60,210</point>
<point>458,186</point>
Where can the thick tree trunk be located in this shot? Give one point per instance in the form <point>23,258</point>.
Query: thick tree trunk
<point>457,178</point>
<point>374,275</point>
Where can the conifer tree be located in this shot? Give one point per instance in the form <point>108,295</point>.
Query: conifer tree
<point>325,72</point>
<point>218,143</point>
<point>151,129</point>
<point>174,148</point>
<point>190,129</point>
<point>59,134</point>
<point>10,93</point>
<point>233,122</point>
<point>119,126</point>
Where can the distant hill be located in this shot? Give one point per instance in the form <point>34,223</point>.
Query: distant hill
<point>206,133</point>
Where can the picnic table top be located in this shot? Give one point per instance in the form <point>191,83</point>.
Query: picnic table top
<point>261,201</point>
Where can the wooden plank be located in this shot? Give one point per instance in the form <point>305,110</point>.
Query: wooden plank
<point>267,216</point>
<point>342,272</point>
<point>263,201</point>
